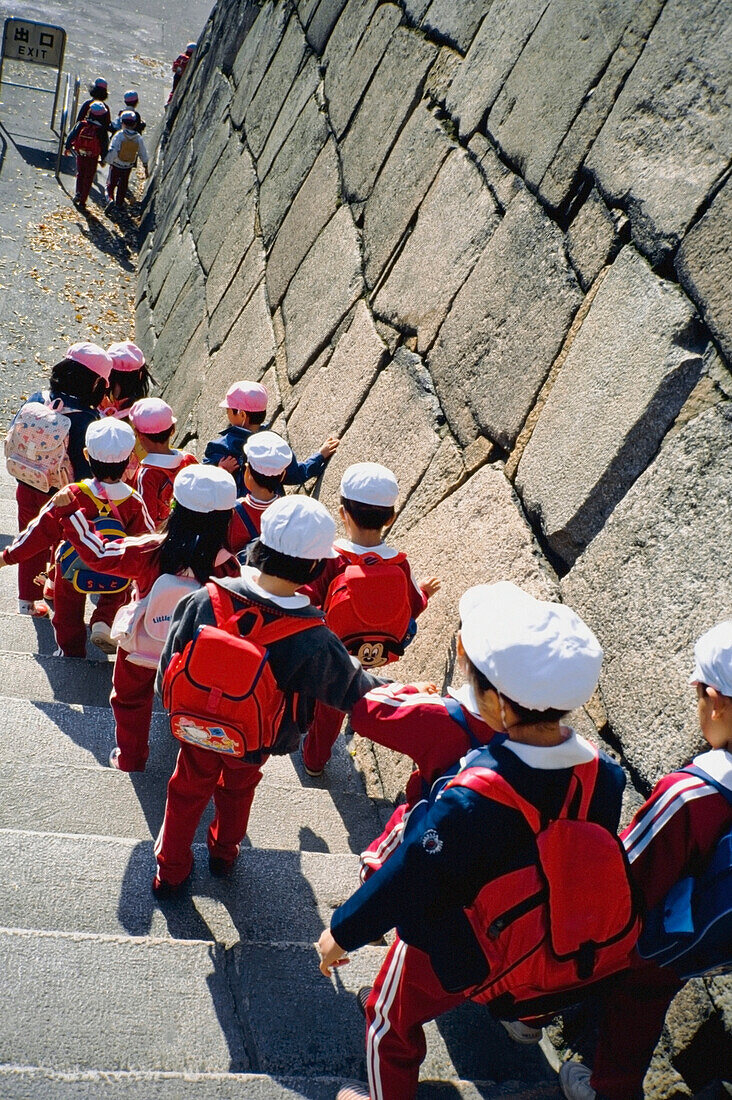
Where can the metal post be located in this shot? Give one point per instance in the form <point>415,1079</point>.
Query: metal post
<point>62,131</point>
<point>58,81</point>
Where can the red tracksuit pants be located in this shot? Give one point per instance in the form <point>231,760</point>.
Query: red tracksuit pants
<point>133,688</point>
<point>322,735</point>
<point>406,995</point>
<point>68,615</point>
<point>117,183</point>
<point>199,774</point>
<point>631,1023</point>
<point>86,168</point>
<point>30,501</point>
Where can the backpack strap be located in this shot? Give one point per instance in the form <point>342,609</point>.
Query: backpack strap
<point>227,617</point>
<point>457,714</point>
<point>693,769</point>
<point>246,519</point>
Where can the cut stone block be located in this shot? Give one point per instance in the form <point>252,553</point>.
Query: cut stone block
<point>650,584</point>
<point>667,139</point>
<point>704,267</point>
<point>401,405</point>
<point>179,274</point>
<point>267,102</point>
<point>314,205</point>
<point>493,53</point>
<point>455,22</point>
<point>634,361</point>
<point>223,240</point>
<point>402,184</point>
<point>293,163</point>
<point>211,153</point>
<point>167,252</point>
<point>592,239</point>
<point>456,219</point>
<point>330,275</point>
<point>255,55</point>
<point>303,88</point>
<point>245,282</point>
<point>562,60</point>
<point>393,92</point>
<point>249,347</point>
<point>174,338</point>
<point>505,327</point>
<point>322,21</point>
<point>504,183</point>
<point>355,49</point>
<point>349,372</point>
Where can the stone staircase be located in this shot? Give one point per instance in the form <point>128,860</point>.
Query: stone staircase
<point>107,993</point>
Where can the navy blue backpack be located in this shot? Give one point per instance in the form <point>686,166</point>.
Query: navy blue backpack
<point>690,931</point>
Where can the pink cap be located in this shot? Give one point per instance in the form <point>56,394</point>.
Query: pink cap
<point>126,355</point>
<point>246,397</point>
<point>92,357</point>
<point>150,415</point>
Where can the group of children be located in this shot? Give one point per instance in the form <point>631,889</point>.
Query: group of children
<point>261,629</point>
<point>90,141</point>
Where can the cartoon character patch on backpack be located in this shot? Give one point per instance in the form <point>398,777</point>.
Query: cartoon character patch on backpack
<point>36,446</point>
<point>87,142</point>
<point>220,692</point>
<point>368,607</point>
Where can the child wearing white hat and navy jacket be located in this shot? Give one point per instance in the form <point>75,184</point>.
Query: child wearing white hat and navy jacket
<point>125,147</point>
<point>109,443</point>
<point>306,662</point>
<point>246,408</point>
<point>368,493</point>
<point>267,459</point>
<point>528,663</point>
<point>154,423</point>
<point>670,838</point>
<point>191,544</point>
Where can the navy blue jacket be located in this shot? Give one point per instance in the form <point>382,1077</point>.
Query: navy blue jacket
<point>424,887</point>
<point>81,417</point>
<point>230,443</point>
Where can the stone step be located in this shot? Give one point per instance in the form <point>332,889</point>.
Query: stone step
<point>61,798</point>
<point>49,679</point>
<point>101,885</point>
<point>76,1002</point>
<point>25,634</point>
<point>83,736</point>
<point>24,1083</point>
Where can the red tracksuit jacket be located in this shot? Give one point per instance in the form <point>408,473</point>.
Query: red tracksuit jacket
<point>155,476</point>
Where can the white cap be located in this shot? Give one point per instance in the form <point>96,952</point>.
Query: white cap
<point>299,527</point>
<point>109,440</point>
<point>267,453</point>
<point>537,654</point>
<point>370,483</point>
<point>713,655</point>
<point>205,488</point>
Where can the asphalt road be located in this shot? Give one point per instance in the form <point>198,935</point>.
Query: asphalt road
<point>64,277</point>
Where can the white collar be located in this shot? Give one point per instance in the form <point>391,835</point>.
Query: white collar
<point>717,763</point>
<point>112,490</point>
<point>163,462</point>
<point>288,603</point>
<point>575,750</point>
<point>381,549</point>
<point>466,697</point>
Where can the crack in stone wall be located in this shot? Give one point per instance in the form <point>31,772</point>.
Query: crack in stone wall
<point>446,233</point>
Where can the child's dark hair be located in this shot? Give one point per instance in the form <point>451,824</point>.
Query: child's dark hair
<point>159,437</point>
<point>481,684</point>
<point>130,385</point>
<point>253,417</point>
<point>271,482</point>
<point>97,92</point>
<point>108,471</point>
<point>371,516</point>
<point>287,568</point>
<point>78,381</point>
<point>192,541</point>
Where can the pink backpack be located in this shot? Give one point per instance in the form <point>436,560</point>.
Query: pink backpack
<point>36,446</point>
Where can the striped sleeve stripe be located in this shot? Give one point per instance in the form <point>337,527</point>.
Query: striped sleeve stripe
<point>640,837</point>
<point>91,540</point>
<point>386,695</point>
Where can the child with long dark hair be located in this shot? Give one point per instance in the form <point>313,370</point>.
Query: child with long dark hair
<point>191,543</point>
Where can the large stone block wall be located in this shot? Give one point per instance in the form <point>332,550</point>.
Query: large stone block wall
<point>488,244</point>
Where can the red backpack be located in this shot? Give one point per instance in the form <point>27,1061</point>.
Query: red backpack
<point>219,691</point>
<point>87,142</point>
<point>368,607</point>
<point>562,923</point>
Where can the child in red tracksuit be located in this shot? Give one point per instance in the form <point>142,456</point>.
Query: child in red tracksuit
<point>108,447</point>
<point>368,496</point>
<point>191,543</point>
<point>267,459</point>
<point>297,536</point>
<point>77,387</point>
<point>89,140</point>
<point>154,423</point>
<point>670,838</point>
<point>180,65</point>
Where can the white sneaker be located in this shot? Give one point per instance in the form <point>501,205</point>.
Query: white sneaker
<point>101,637</point>
<point>575,1081</point>
<point>522,1033</point>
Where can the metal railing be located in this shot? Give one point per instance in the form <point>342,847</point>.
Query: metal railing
<point>68,117</point>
